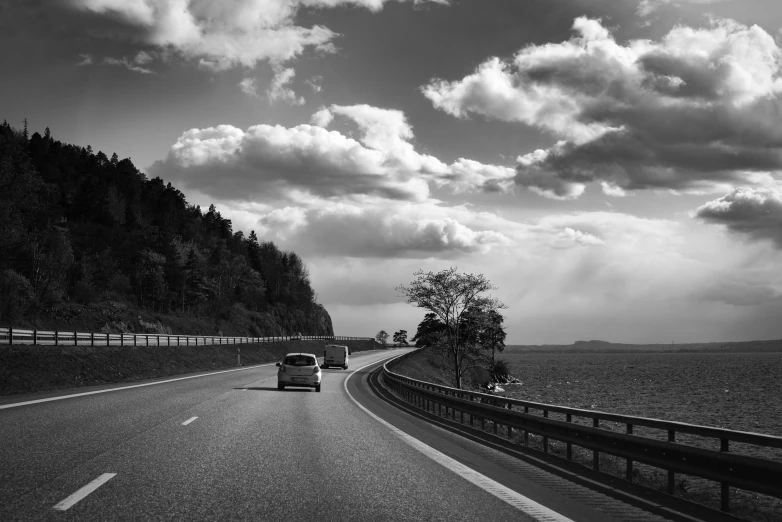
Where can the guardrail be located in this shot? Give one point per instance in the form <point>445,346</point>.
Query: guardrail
<point>730,470</point>
<point>10,336</point>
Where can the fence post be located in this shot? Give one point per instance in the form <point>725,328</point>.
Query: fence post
<point>724,486</point>
<point>595,453</point>
<point>545,437</point>
<point>671,474</point>
<point>629,473</point>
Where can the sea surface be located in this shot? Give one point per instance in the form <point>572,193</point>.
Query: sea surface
<point>737,391</point>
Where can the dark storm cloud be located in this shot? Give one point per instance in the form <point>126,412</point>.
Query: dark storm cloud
<point>756,213</point>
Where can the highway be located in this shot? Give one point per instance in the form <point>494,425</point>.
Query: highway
<point>230,446</point>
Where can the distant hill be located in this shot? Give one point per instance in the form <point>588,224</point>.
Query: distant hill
<point>88,242</point>
<point>607,347</point>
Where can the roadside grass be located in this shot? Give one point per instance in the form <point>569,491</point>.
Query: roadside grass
<point>427,365</point>
<point>33,369</point>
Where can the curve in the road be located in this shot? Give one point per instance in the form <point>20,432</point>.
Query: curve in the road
<point>527,506</point>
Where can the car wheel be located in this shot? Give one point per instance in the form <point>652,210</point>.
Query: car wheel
<point>280,386</point>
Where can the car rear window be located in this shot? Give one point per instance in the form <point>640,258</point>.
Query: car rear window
<point>299,360</point>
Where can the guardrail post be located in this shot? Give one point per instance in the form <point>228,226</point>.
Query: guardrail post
<point>595,453</point>
<point>629,473</point>
<point>122,339</point>
<point>146,339</point>
<point>187,341</point>
<point>238,357</point>
<point>671,474</point>
<point>35,336</point>
<point>724,486</point>
<point>135,342</point>
<point>569,418</point>
<point>10,335</point>
<point>545,437</point>
<point>75,338</point>
<point>56,337</point>
<point>92,338</point>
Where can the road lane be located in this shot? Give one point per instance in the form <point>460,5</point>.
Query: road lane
<point>265,455</point>
<point>253,453</point>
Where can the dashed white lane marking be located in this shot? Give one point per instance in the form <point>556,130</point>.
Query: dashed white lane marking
<point>188,421</point>
<point>83,492</point>
<point>16,404</point>
<point>527,506</point>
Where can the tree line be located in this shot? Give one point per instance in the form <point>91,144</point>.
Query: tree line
<point>79,226</point>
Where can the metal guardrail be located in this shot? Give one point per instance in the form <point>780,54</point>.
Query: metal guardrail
<point>10,336</point>
<point>730,470</point>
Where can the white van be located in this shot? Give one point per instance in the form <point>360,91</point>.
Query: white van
<point>336,355</point>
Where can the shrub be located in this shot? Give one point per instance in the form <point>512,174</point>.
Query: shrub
<point>501,370</point>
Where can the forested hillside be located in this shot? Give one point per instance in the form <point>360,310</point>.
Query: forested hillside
<point>82,234</point>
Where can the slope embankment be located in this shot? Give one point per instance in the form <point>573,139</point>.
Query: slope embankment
<point>31,369</point>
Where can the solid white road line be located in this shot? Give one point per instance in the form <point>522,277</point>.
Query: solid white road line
<point>25,403</point>
<point>188,421</point>
<point>83,492</point>
<point>528,506</point>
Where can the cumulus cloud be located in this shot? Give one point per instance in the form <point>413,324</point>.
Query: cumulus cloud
<point>381,229</point>
<point>754,212</point>
<point>225,34</point>
<point>279,90</point>
<point>695,111</point>
<point>267,161</point>
<point>249,86</point>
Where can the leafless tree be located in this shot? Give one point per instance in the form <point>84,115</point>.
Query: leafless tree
<point>450,295</point>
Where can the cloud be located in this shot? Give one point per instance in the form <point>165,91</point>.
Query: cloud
<point>754,212</point>
<point>266,162</point>
<point>128,64</point>
<point>86,59</point>
<point>377,228</point>
<point>278,90</point>
<point>647,7</point>
<point>220,35</point>
<point>695,111</point>
<point>315,83</point>
<point>249,86</point>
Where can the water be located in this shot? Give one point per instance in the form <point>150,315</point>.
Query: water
<point>737,391</point>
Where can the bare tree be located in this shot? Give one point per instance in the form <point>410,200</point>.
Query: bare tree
<point>449,295</point>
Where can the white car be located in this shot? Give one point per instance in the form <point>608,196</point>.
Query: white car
<point>299,369</point>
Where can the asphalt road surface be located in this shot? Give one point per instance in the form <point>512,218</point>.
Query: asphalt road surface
<point>230,446</point>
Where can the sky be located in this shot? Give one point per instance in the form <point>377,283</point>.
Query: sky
<point>613,167</point>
